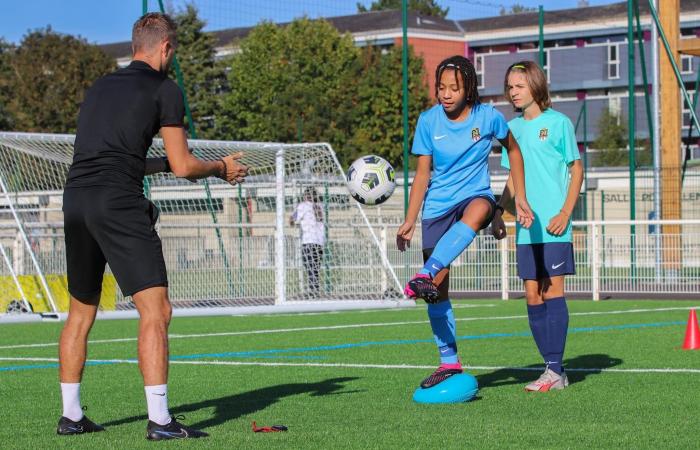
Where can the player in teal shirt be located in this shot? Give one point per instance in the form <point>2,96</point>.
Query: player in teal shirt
<point>553,177</point>
<point>452,184</point>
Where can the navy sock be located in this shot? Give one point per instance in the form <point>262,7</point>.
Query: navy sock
<point>557,326</point>
<point>442,321</point>
<point>537,316</point>
<point>448,248</point>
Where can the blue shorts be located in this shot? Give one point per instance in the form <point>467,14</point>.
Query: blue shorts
<point>552,259</point>
<point>435,228</point>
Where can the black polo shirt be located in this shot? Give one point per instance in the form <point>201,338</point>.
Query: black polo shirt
<point>118,118</point>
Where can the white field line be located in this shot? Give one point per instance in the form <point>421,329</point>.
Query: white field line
<point>367,366</point>
<point>350,326</point>
<point>364,311</point>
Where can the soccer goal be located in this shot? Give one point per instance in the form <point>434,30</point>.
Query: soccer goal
<point>228,249</point>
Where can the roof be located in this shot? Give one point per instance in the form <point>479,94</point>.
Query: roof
<point>374,21</point>
<point>563,16</point>
<point>355,24</point>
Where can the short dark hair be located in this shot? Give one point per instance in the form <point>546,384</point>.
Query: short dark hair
<point>152,29</point>
<point>459,64</point>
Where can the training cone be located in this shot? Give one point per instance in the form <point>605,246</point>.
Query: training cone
<point>692,333</point>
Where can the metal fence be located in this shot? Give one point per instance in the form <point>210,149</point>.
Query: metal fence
<point>613,258</point>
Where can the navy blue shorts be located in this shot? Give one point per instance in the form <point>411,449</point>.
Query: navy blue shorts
<point>435,228</point>
<point>552,259</point>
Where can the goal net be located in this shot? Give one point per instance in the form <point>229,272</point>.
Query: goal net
<point>224,246</point>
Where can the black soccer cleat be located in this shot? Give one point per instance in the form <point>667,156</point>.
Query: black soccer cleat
<point>422,286</point>
<point>67,427</point>
<point>441,374</point>
<point>173,430</point>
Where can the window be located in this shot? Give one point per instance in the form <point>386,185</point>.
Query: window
<point>686,64</point>
<point>613,61</point>
<point>545,66</point>
<point>615,106</point>
<point>687,118</point>
<point>479,68</point>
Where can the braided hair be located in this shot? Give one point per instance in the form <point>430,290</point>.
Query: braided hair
<point>459,64</point>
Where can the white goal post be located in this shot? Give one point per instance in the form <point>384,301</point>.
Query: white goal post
<point>227,249</point>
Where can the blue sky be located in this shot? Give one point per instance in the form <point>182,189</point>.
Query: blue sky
<point>104,21</point>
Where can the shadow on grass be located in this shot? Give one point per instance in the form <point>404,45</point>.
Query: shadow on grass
<point>592,364</point>
<point>234,406</point>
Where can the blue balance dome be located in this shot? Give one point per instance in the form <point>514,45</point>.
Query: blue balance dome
<point>456,389</point>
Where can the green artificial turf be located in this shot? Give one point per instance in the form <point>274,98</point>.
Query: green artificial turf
<point>321,376</point>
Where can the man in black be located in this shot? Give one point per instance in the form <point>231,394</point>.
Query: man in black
<point>108,220</point>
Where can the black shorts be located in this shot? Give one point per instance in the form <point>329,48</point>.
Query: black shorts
<point>105,225</point>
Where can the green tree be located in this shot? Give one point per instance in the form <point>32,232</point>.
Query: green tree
<point>516,8</point>
<point>427,7</point>
<point>612,140</point>
<point>51,73</point>
<point>6,120</point>
<point>378,124</point>
<point>204,77</point>
<point>291,82</point>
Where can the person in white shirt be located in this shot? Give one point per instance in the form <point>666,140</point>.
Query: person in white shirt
<point>309,216</point>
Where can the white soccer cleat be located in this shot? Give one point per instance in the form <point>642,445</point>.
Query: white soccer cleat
<point>549,380</point>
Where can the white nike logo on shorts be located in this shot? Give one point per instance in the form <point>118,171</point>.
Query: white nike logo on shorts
<point>558,265</point>
<point>442,136</point>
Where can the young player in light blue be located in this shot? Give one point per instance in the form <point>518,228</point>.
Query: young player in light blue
<point>553,177</point>
<point>453,138</point>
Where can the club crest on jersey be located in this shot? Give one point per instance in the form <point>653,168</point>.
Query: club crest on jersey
<point>476,134</point>
<point>543,134</point>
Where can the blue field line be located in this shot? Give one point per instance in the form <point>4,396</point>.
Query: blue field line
<point>105,363</point>
<point>51,366</point>
<point>258,353</point>
<point>271,353</point>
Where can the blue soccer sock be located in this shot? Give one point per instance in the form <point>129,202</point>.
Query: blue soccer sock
<point>442,321</point>
<point>537,316</point>
<point>448,248</point>
<point>557,326</point>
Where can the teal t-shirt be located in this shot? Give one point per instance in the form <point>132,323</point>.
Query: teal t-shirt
<point>548,145</point>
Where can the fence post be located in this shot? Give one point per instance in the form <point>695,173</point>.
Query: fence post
<point>279,229</point>
<point>504,269</point>
<point>594,261</point>
<point>385,255</point>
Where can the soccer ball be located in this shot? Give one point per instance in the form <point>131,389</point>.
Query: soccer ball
<point>371,180</point>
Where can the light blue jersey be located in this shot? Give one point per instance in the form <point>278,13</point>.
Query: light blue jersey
<point>548,145</point>
<point>460,153</point>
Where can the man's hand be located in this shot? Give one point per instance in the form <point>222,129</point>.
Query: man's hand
<point>233,171</point>
<point>557,225</point>
<point>524,214</point>
<point>404,235</point>
<point>498,227</point>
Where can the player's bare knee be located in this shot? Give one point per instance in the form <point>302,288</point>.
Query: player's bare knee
<point>476,214</point>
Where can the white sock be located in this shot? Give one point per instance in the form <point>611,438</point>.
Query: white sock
<point>157,401</point>
<point>70,392</point>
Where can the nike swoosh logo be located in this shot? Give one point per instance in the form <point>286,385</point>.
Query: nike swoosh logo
<point>558,265</point>
<point>435,267</point>
<point>180,434</point>
<point>79,429</point>
<point>442,136</point>
<point>155,393</point>
<point>445,350</point>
